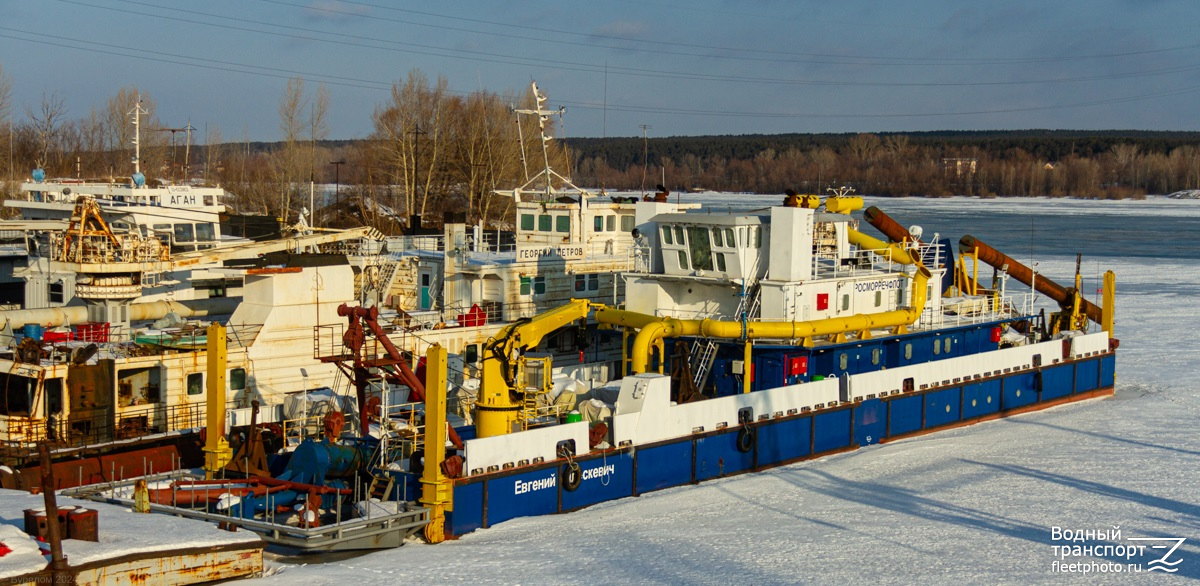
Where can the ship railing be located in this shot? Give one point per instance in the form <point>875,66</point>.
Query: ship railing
<point>80,430</point>
<point>491,251</point>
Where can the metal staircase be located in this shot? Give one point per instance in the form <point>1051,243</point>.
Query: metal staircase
<point>704,351</point>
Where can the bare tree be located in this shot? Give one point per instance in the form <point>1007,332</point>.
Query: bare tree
<point>287,163</point>
<point>6,124</point>
<point>47,122</point>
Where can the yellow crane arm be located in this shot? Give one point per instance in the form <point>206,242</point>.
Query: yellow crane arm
<point>497,407</point>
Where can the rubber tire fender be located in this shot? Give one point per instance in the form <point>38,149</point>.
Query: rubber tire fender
<point>416,463</point>
<point>746,439</point>
<point>572,475</point>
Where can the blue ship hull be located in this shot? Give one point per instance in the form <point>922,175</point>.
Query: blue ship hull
<point>481,501</point>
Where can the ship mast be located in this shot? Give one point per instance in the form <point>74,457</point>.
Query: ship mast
<point>137,134</point>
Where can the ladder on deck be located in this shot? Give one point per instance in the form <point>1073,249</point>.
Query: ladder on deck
<point>705,351</point>
<point>381,486</point>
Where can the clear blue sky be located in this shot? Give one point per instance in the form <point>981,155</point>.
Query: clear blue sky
<point>684,67</point>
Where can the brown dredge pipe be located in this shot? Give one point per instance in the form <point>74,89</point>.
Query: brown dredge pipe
<point>971,245</point>
<point>885,224</point>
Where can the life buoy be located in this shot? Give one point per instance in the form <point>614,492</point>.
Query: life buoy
<point>745,439</point>
<point>572,475</point>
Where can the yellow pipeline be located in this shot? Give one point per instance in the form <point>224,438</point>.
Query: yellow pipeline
<point>653,329</point>
<point>888,250</point>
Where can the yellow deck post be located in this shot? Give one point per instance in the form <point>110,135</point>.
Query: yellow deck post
<point>1109,302</point>
<point>436,489</point>
<point>216,450</point>
<point>747,366</point>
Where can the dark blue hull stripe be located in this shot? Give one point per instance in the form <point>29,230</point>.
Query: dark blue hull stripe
<point>483,501</point>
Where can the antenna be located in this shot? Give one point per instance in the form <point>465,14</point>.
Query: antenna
<point>645,150</point>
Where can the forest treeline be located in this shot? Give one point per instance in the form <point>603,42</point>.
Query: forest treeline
<point>1097,164</point>
<point>432,150</point>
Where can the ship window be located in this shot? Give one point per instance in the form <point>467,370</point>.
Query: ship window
<point>598,224</point>
<point>562,223</point>
<point>205,232</point>
<point>163,232</point>
<point>700,249</point>
<point>610,223</point>
<point>626,223</point>
<point>208,200</point>
<point>878,298</point>
<point>185,233</point>
<point>525,285</point>
<point>237,379</point>
<point>843,361</point>
<point>742,236</point>
<point>54,396</point>
<point>56,292</point>
<point>580,282</point>
<point>908,351</point>
<point>471,353</point>
<point>18,395</point>
<point>527,221</point>
<point>729,241</point>
<point>666,232</point>
<point>846,302</point>
<point>946,345</point>
<point>720,261</point>
<point>683,263</point>
<point>937,346</point>
<point>679,234</point>
<point>539,285</point>
<point>195,383</point>
<point>1037,360</point>
<point>875,356</point>
<point>544,223</point>
<point>717,239</point>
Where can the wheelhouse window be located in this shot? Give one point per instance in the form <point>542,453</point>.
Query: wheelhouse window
<point>544,223</point>
<point>666,232</point>
<point>205,232</point>
<point>527,221</point>
<point>598,223</point>
<point>626,223</point>
<point>700,248</point>
<point>562,223</point>
<point>185,233</point>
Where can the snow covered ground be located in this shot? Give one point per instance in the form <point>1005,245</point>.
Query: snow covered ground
<point>121,531</point>
<point>974,505</point>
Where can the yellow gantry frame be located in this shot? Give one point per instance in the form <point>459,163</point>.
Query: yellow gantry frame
<point>437,491</point>
<point>216,450</point>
